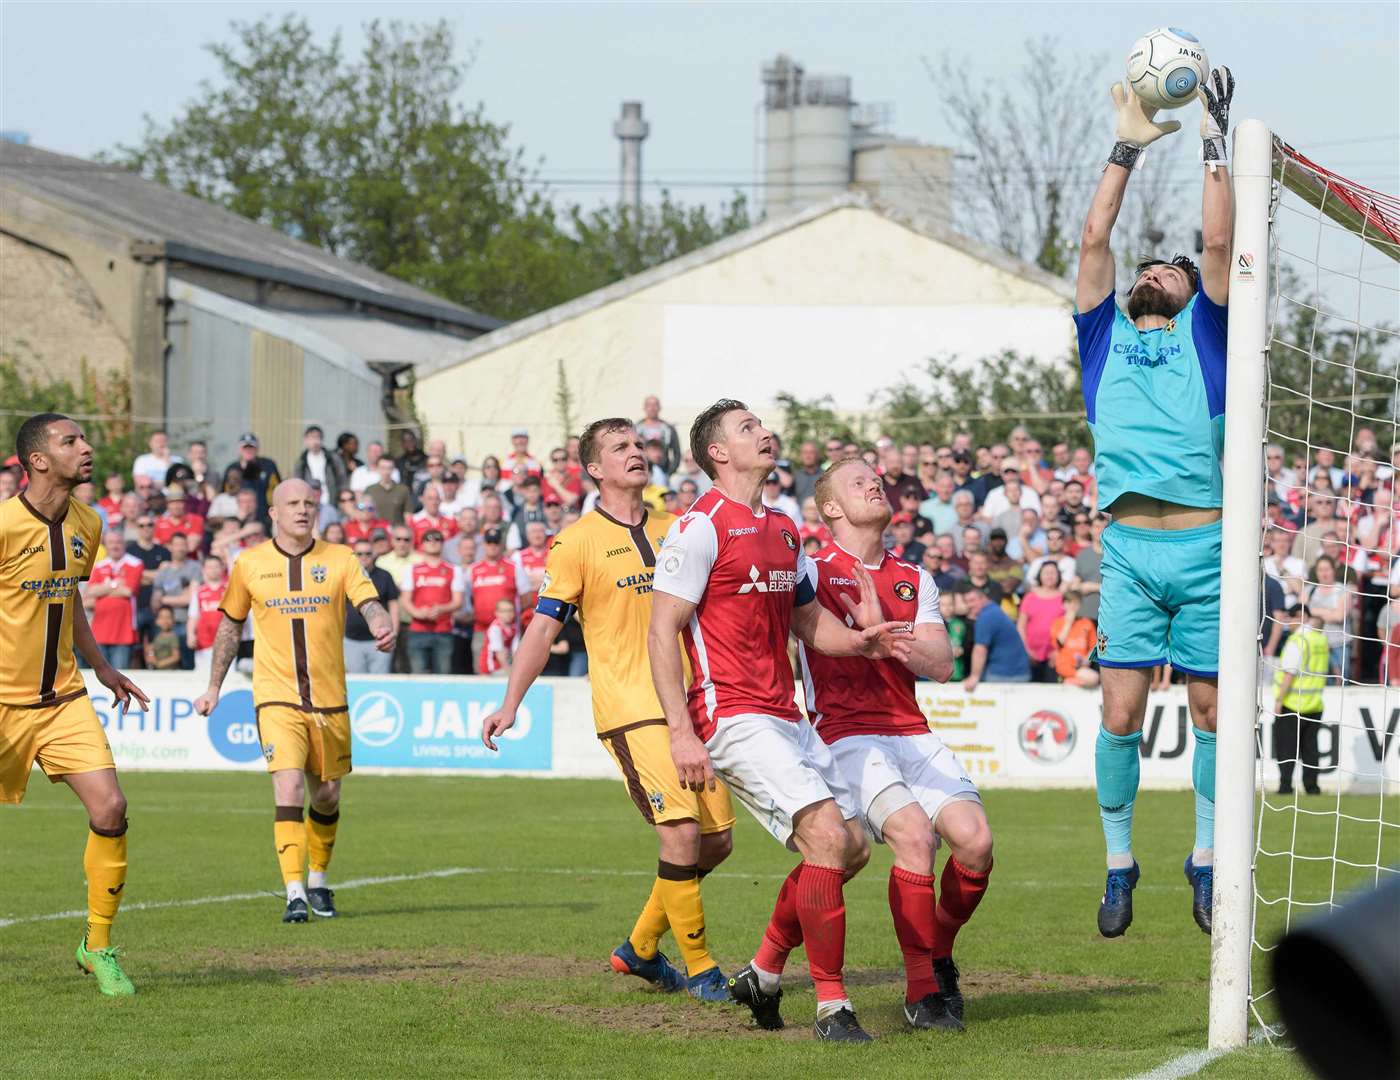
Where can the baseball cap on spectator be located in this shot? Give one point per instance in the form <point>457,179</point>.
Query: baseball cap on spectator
<point>248,439</point>
<point>553,500</point>
<point>491,536</point>
<point>433,534</point>
<point>378,534</point>
<point>174,493</point>
<point>520,432</point>
<point>902,519</point>
<point>772,478</point>
<point>450,478</point>
<point>962,456</point>
<point>313,483</point>
<point>1010,470</point>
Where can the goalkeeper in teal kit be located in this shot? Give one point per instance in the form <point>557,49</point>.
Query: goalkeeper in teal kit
<point>1154,391</point>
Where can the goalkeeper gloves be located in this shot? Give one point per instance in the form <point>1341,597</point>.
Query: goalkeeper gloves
<point>1135,127</point>
<point>1215,97</point>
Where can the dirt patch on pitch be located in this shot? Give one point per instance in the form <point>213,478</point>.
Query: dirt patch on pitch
<point>975,983</point>
<point>682,1019</point>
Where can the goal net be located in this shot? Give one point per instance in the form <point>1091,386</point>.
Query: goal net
<point>1326,800</point>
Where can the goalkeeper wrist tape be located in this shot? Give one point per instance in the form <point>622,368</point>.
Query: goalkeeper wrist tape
<point>1215,151</point>
<point>1126,154</point>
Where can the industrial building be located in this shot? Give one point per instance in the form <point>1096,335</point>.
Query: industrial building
<point>222,325</point>
<point>840,299</point>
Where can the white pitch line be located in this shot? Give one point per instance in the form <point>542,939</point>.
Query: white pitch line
<point>450,872</point>
<point>1188,1064</point>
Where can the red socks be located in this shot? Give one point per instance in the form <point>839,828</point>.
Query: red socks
<point>912,905</point>
<point>784,931</point>
<point>960,891</point>
<point>821,911</point>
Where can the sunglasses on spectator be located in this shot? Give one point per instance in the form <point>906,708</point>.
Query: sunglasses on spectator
<point>145,524</point>
<point>559,457</point>
<point>364,552</point>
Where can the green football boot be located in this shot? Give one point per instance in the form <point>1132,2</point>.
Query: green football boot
<point>103,965</point>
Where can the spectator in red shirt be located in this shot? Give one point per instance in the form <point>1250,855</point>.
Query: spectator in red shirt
<point>520,454</point>
<point>111,600</point>
<point>111,502</point>
<point>531,561</point>
<point>430,591</point>
<point>363,524</point>
<point>177,520</point>
<point>431,519</point>
<point>500,640</point>
<point>559,483</point>
<point>492,579</point>
<point>202,622</point>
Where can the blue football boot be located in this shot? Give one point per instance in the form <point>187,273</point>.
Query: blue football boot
<point>1116,907</point>
<point>658,970</point>
<point>710,985</point>
<point>1202,879</point>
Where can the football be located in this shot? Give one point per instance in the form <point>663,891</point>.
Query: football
<point>1166,67</point>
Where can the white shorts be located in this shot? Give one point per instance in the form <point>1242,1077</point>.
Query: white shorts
<point>928,772</point>
<point>777,768</point>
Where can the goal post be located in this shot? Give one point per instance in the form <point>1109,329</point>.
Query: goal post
<point>1313,381</point>
<point>1238,691</point>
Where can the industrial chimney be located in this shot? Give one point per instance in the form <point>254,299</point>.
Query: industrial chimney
<point>630,130</point>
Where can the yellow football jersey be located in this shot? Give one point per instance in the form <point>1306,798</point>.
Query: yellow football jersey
<point>298,608</point>
<point>42,563</point>
<point>603,569</point>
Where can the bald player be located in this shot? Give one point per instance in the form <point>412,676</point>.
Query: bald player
<point>295,586</point>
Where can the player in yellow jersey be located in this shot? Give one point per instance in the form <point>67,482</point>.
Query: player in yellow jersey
<point>295,587</point>
<point>48,543</point>
<point>601,567</point>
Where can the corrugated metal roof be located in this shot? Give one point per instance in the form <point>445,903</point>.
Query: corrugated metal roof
<point>205,234</point>
<point>378,339</point>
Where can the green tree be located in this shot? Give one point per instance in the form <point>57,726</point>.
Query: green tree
<point>816,419</point>
<point>101,403</point>
<point>987,399</point>
<point>373,159</point>
<point>1328,376</point>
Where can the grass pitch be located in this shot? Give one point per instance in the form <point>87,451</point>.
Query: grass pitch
<point>498,966</point>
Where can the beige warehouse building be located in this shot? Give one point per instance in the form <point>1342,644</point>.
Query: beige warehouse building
<point>840,299</point>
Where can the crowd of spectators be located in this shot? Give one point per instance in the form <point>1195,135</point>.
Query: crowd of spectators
<point>1010,533</point>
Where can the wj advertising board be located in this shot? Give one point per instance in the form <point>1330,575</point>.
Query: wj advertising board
<point>1021,736</point>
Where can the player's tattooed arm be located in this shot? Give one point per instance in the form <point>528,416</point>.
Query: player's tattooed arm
<point>380,624</point>
<point>222,654</point>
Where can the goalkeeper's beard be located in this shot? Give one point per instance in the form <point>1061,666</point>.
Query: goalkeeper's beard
<point>1148,299</point>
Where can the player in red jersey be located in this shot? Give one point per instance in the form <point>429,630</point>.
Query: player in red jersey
<point>731,580</point>
<point>910,788</point>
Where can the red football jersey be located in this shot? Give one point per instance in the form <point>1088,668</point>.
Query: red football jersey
<point>423,521</point>
<point>492,582</point>
<point>204,610</point>
<point>114,617</point>
<point>850,695</point>
<point>424,584</point>
<point>192,525</point>
<point>500,638</point>
<point>532,565</point>
<point>744,571</point>
<point>354,530</point>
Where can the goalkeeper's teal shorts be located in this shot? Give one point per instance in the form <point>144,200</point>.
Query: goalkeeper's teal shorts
<point>1160,598</point>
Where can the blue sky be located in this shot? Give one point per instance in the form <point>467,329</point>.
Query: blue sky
<point>78,77</point>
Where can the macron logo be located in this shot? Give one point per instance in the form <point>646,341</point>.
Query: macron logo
<point>753,584</point>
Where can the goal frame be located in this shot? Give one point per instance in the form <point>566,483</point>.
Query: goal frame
<point>1240,569</point>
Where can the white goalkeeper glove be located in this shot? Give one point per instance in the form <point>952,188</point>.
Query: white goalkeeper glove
<point>1135,128</point>
<point>1215,98</point>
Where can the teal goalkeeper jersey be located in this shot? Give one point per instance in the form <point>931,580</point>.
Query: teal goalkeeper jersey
<point>1155,401</point>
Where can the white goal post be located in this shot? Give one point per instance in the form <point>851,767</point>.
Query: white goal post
<point>1316,391</point>
<point>1238,695</point>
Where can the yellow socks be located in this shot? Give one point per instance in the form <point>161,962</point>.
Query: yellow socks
<point>320,838</point>
<point>289,834</point>
<point>679,888</point>
<point>104,863</point>
<point>651,924</point>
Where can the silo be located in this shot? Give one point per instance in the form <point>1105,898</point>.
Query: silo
<point>781,81</point>
<point>821,140</point>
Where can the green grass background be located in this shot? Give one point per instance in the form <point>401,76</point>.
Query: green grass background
<point>503,972</point>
